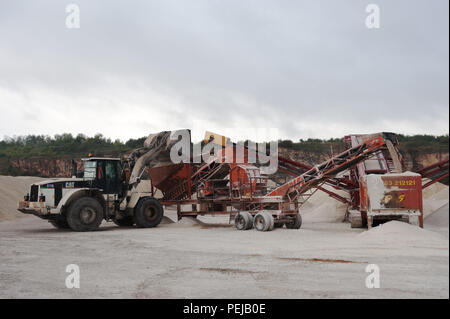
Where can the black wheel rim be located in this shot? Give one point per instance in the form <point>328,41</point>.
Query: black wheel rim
<point>87,215</point>
<point>240,222</point>
<point>150,213</point>
<point>259,222</point>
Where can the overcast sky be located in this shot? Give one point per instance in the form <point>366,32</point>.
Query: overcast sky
<point>306,68</point>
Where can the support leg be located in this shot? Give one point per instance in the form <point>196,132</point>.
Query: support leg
<point>369,222</point>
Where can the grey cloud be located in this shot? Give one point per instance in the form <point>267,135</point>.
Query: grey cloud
<point>282,64</point>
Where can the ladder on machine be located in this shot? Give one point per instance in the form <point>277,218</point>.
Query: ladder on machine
<point>434,172</point>
<point>299,188</point>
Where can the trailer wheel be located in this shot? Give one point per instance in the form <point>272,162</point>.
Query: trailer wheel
<point>60,222</point>
<point>125,221</point>
<point>263,221</point>
<point>271,220</point>
<point>296,223</point>
<point>243,221</point>
<point>85,214</point>
<point>148,213</point>
<point>356,222</point>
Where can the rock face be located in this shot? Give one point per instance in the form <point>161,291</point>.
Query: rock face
<point>413,162</point>
<point>46,167</point>
<point>310,158</point>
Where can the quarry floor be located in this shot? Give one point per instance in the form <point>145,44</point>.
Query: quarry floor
<point>211,259</point>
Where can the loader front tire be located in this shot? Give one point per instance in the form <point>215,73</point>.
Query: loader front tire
<point>148,213</point>
<point>85,214</point>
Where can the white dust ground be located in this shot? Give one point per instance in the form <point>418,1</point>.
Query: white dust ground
<point>208,258</point>
<point>12,190</point>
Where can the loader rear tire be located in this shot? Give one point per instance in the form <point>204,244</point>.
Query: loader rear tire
<point>263,221</point>
<point>85,214</point>
<point>296,223</point>
<point>148,213</point>
<point>243,221</point>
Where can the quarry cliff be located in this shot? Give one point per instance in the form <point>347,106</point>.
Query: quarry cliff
<point>62,167</point>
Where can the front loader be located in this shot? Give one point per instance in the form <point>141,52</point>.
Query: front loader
<point>109,189</point>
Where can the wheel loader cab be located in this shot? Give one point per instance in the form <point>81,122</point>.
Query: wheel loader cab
<point>105,174</point>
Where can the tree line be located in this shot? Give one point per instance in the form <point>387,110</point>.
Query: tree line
<point>66,145</point>
<point>412,144</point>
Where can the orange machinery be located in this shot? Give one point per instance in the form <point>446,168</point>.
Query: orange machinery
<point>238,187</point>
<point>392,196</point>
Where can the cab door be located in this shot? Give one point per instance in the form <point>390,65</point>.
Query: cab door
<point>112,177</point>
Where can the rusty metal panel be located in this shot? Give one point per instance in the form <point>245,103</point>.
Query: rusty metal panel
<point>392,195</point>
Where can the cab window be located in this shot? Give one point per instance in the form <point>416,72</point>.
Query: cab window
<point>111,171</point>
<point>90,168</point>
